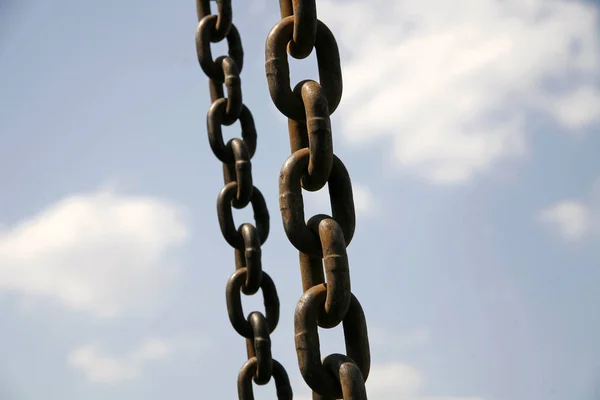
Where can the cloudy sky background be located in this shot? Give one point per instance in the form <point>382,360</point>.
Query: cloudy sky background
<point>470,131</point>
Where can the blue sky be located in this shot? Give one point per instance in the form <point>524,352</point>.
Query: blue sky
<point>470,132</point>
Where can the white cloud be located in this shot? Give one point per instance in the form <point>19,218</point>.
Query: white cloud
<point>101,253</point>
<point>574,219</point>
<point>452,87</point>
<point>100,367</point>
<point>397,381</point>
<point>570,218</point>
<point>579,108</point>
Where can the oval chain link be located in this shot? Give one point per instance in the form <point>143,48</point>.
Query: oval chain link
<point>239,191</point>
<point>322,241</point>
<point>248,371</point>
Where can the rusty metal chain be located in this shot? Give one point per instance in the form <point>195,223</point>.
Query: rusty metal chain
<point>321,241</point>
<point>239,191</point>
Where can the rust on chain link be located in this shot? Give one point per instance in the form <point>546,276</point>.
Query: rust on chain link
<point>234,302</point>
<point>278,69</point>
<point>307,341</point>
<point>291,203</point>
<point>248,371</point>
<point>239,192</point>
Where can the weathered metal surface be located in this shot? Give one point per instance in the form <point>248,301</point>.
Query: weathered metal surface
<point>239,192</point>
<point>349,375</point>
<point>278,69</point>
<point>234,302</point>
<point>314,372</point>
<point>322,240</point>
<point>305,28</point>
<point>291,203</point>
<point>214,127</point>
<point>248,371</point>
<point>318,129</point>
<point>224,19</point>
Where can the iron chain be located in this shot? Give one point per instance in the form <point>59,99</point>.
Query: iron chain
<point>239,191</point>
<point>321,241</point>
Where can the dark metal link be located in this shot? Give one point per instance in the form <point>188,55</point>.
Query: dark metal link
<point>223,24</point>
<point>248,371</point>
<point>214,122</point>
<point>298,135</point>
<point>278,69</point>
<point>311,270</point>
<point>233,83</point>
<point>337,272</point>
<point>262,348</point>
<point>305,28</point>
<point>234,303</point>
<point>238,192</point>
<point>318,129</point>
<point>252,259</point>
<point>322,239</point>
<point>243,173</point>
<point>261,215</point>
<point>203,41</point>
<point>203,8</point>
<point>349,376</point>
<point>314,373</point>
<point>291,203</point>
<point>215,88</point>
<point>286,8</point>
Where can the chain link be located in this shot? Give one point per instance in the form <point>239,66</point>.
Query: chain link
<point>239,191</point>
<point>278,68</point>
<point>349,375</point>
<point>321,241</point>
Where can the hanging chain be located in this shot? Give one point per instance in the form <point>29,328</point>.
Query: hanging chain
<point>238,192</point>
<point>321,241</point>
